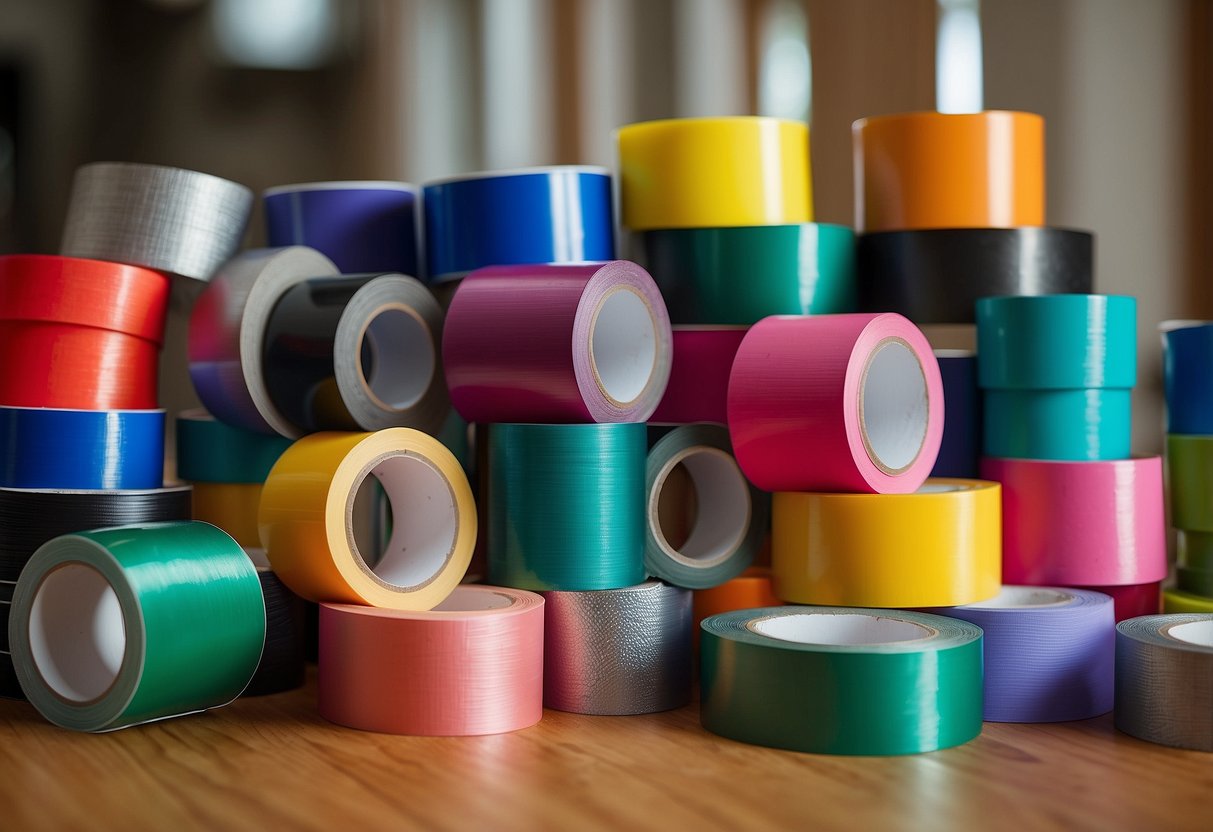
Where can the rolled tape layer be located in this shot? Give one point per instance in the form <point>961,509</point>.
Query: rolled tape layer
<point>1048,653</point>
<point>960,445</point>
<point>1194,549</point>
<point>1164,679</point>
<point>472,665</point>
<point>728,523</point>
<point>698,389</point>
<point>232,507</point>
<point>1187,383</point>
<point>122,626</point>
<point>558,214</point>
<point>282,666</point>
<point>850,549</point>
<point>618,651</point>
<point>827,680</point>
<point>360,226</point>
<point>836,403</point>
<point>566,505</point>
<point>212,451</point>
<point>714,172</point>
<point>308,500</point>
<point>227,333</point>
<point>1175,601</point>
<point>171,220</point>
<point>1194,581</point>
<point>53,448</point>
<point>1132,600</point>
<point>1057,424</point>
<point>557,343</point>
<point>1087,524</point>
<point>936,170</point>
<point>1190,481</point>
<point>935,276</point>
<point>742,274</point>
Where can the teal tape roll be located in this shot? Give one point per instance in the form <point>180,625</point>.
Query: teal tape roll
<point>121,626</point>
<point>1057,424</point>
<point>705,521</point>
<point>566,505</point>
<point>832,680</point>
<point>1190,483</point>
<point>212,451</point>
<point>1057,342</point>
<point>1194,549</point>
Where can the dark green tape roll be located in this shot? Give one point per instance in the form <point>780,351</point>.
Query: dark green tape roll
<point>1194,549</point>
<point>1190,482</point>
<point>212,451</point>
<point>1057,424</point>
<point>1194,581</point>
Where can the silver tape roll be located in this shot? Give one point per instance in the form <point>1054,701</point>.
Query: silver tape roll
<point>173,220</point>
<point>1164,679</point>
<point>227,333</point>
<point>617,651</point>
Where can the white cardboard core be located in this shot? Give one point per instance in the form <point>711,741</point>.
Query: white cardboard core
<point>623,345</point>
<point>894,405</point>
<point>402,358</point>
<point>77,634</point>
<point>722,517</point>
<point>1024,597</point>
<point>465,600</point>
<point>424,521</point>
<point>1199,633</point>
<point>839,629</point>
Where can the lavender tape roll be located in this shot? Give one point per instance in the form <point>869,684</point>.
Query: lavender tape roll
<point>1048,653</point>
<point>557,344</point>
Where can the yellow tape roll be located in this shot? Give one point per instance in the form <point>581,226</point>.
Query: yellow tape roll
<point>1175,601</point>
<point>230,506</point>
<point>938,547</point>
<point>307,508</point>
<point>714,172</point>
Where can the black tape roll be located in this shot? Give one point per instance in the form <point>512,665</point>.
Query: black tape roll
<point>30,517</point>
<point>281,666</point>
<point>935,276</point>
<point>10,688</point>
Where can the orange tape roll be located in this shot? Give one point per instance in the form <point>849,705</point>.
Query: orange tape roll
<point>230,506</point>
<point>749,590</point>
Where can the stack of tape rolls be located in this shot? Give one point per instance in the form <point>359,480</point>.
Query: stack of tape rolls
<point>751,589</point>
<point>960,445</point>
<point>1164,679</point>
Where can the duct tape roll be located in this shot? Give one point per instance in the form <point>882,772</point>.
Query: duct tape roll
<point>850,549</point>
<point>960,444</point>
<point>212,451</point>
<point>555,343</point>
<point>618,651</point>
<point>281,667</point>
<point>1048,653</point>
<point>826,680</point>
<point>742,274</point>
<point>1194,549</point>
<point>1187,357</point>
<point>936,170</point>
<point>1087,524</point>
<point>356,352</point>
<point>714,172</point>
<point>308,502</point>
<point>936,276</point>
<point>559,214</point>
<point>472,665</point>
<point>75,449</point>
<point>1190,482</point>
<point>171,220</point>
<point>566,506</point>
<point>1132,600</point>
<point>698,389</point>
<point>752,588</point>
<point>1057,342</point>
<point>122,626</point>
<point>1057,424</point>
<point>360,226</point>
<point>230,506</point>
<point>1174,601</point>
<point>227,333</point>
<point>1164,680</point>
<point>836,403</point>
<point>724,518</point>
<point>1195,581</point>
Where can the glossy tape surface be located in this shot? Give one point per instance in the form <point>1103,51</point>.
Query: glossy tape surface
<point>232,506</point>
<point>960,445</point>
<point>1132,600</point>
<point>698,389</point>
<point>752,588</point>
<point>1187,357</point>
<point>1057,424</point>
<point>212,451</point>
<point>1175,601</point>
<point>1164,686</point>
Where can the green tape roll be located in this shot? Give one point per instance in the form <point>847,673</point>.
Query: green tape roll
<point>742,274</point>
<point>566,506</point>
<point>832,680</point>
<point>703,528</point>
<point>1190,481</point>
<point>1194,581</point>
<point>1057,424</point>
<point>1194,549</point>
<point>1175,601</point>
<point>212,451</point>
<point>122,626</point>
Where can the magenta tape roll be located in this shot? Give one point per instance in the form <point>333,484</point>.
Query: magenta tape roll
<point>848,403</point>
<point>699,377</point>
<point>1089,523</point>
<point>557,344</point>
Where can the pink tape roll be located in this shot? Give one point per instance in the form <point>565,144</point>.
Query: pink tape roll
<point>557,344</point>
<point>472,665</point>
<point>1090,523</point>
<point>699,376</point>
<point>848,403</point>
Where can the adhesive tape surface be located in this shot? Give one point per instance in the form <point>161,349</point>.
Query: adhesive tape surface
<point>212,451</point>
<point>698,389</point>
<point>1164,679</point>
<point>230,506</point>
<point>1058,424</point>
<point>1190,481</point>
<point>1175,601</point>
<point>1187,355</point>
<point>1132,600</point>
<point>960,444</point>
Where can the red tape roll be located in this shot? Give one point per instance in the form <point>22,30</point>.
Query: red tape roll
<point>1132,600</point>
<point>698,390</point>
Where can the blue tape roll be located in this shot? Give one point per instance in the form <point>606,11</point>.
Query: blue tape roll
<point>538,215</point>
<point>1187,360</point>
<point>1057,424</point>
<point>961,445</point>
<point>50,448</point>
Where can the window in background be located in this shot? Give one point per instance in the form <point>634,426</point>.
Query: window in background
<point>785,74</point>
<point>958,70</point>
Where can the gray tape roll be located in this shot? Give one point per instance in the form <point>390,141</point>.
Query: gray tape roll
<point>617,651</point>
<point>1164,679</point>
<point>173,220</point>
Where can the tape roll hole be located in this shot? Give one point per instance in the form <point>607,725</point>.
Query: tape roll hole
<point>839,629</point>
<point>425,523</point>
<point>623,345</point>
<point>703,505</point>
<point>77,634</point>
<point>1023,597</point>
<point>397,359</point>
<point>894,410</point>
<point>1199,633</point>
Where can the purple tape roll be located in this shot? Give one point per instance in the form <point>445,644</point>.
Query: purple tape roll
<point>557,344</point>
<point>1049,653</point>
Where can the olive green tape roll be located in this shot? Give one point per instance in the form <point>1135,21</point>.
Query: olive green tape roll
<point>132,624</point>
<point>1164,679</point>
<point>1194,581</point>
<point>212,451</point>
<point>707,531</point>
<point>1175,601</point>
<point>1190,481</point>
<point>1194,549</point>
<point>831,680</point>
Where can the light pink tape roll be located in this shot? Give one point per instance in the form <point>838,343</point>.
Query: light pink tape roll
<point>849,403</point>
<point>1081,523</point>
<point>699,376</point>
